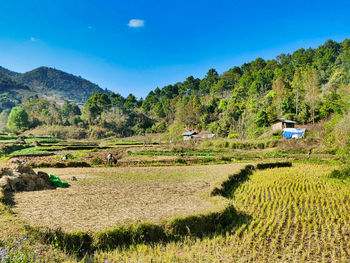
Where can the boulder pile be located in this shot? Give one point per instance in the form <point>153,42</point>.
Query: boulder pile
<point>19,176</point>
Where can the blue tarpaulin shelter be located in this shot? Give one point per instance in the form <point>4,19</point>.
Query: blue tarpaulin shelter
<point>295,133</point>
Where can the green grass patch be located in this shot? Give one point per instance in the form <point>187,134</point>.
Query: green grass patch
<point>170,154</point>
<point>30,150</point>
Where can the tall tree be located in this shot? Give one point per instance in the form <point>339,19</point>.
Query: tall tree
<point>95,106</point>
<point>313,90</point>
<point>208,81</point>
<point>298,88</point>
<point>17,120</point>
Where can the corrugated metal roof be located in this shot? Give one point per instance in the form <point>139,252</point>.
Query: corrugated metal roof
<point>286,121</point>
<point>189,133</point>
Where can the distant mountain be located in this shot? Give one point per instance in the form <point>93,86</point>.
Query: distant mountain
<point>9,73</point>
<point>54,84</point>
<point>11,92</point>
<point>58,84</point>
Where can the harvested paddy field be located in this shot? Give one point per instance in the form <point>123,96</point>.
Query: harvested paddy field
<point>297,214</point>
<point>105,196</point>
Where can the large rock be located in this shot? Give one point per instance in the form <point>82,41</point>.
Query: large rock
<point>19,176</point>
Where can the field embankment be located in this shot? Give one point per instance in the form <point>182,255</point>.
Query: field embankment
<point>105,196</point>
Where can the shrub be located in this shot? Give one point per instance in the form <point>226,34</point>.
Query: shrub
<point>341,174</point>
<point>94,150</point>
<point>232,136</point>
<point>180,161</point>
<point>261,145</point>
<point>208,144</point>
<point>61,132</point>
<point>77,164</point>
<point>337,135</point>
<point>9,148</point>
<point>208,159</point>
<point>76,120</point>
<point>226,159</point>
<point>96,161</point>
<point>59,165</point>
<point>98,132</point>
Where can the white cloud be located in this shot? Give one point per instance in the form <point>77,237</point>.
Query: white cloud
<point>136,23</point>
<point>33,39</point>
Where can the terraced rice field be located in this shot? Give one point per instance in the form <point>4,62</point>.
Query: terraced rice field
<point>297,214</point>
<point>105,196</point>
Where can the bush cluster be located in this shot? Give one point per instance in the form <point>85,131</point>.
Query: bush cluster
<point>341,174</point>
<point>242,145</point>
<point>60,165</point>
<point>96,161</point>
<point>180,161</point>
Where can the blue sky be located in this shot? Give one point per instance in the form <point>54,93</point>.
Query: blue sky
<point>166,42</point>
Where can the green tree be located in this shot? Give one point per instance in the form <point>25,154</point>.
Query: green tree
<point>69,110</point>
<point>190,86</point>
<point>95,106</point>
<point>313,90</point>
<point>130,103</point>
<point>262,119</point>
<point>18,120</point>
<point>298,89</point>
<point>208,81</point>
<point>3,119</point>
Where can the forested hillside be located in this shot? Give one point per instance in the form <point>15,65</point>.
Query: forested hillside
<point>56,84</point>
<point>11,92</point>
<point>308,85</point>
<point>59,84</point>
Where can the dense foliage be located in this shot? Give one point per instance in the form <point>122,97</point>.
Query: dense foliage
<point>17,120</point>
<point>307,86</point>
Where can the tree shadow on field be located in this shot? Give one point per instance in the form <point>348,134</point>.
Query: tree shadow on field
<point>123,236</point>
<point>229,186</point>
<point>196,226</point>
<point>229,220</point>
<point>209,225</point>
<point>7,198</point>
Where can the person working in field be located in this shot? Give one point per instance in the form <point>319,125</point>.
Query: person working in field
<point>111,159</point>
<point>309,154</point>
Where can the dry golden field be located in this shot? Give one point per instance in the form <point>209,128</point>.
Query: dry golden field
<point>294,214</point>
<point>105,196</point>
<point>297,214</point>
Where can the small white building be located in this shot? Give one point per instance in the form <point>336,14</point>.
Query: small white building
<point>206,135</point>
<point>187,136</point>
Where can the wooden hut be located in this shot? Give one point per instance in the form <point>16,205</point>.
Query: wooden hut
<point>280,124</point>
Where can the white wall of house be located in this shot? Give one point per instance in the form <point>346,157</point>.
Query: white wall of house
<point>277,126</point>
